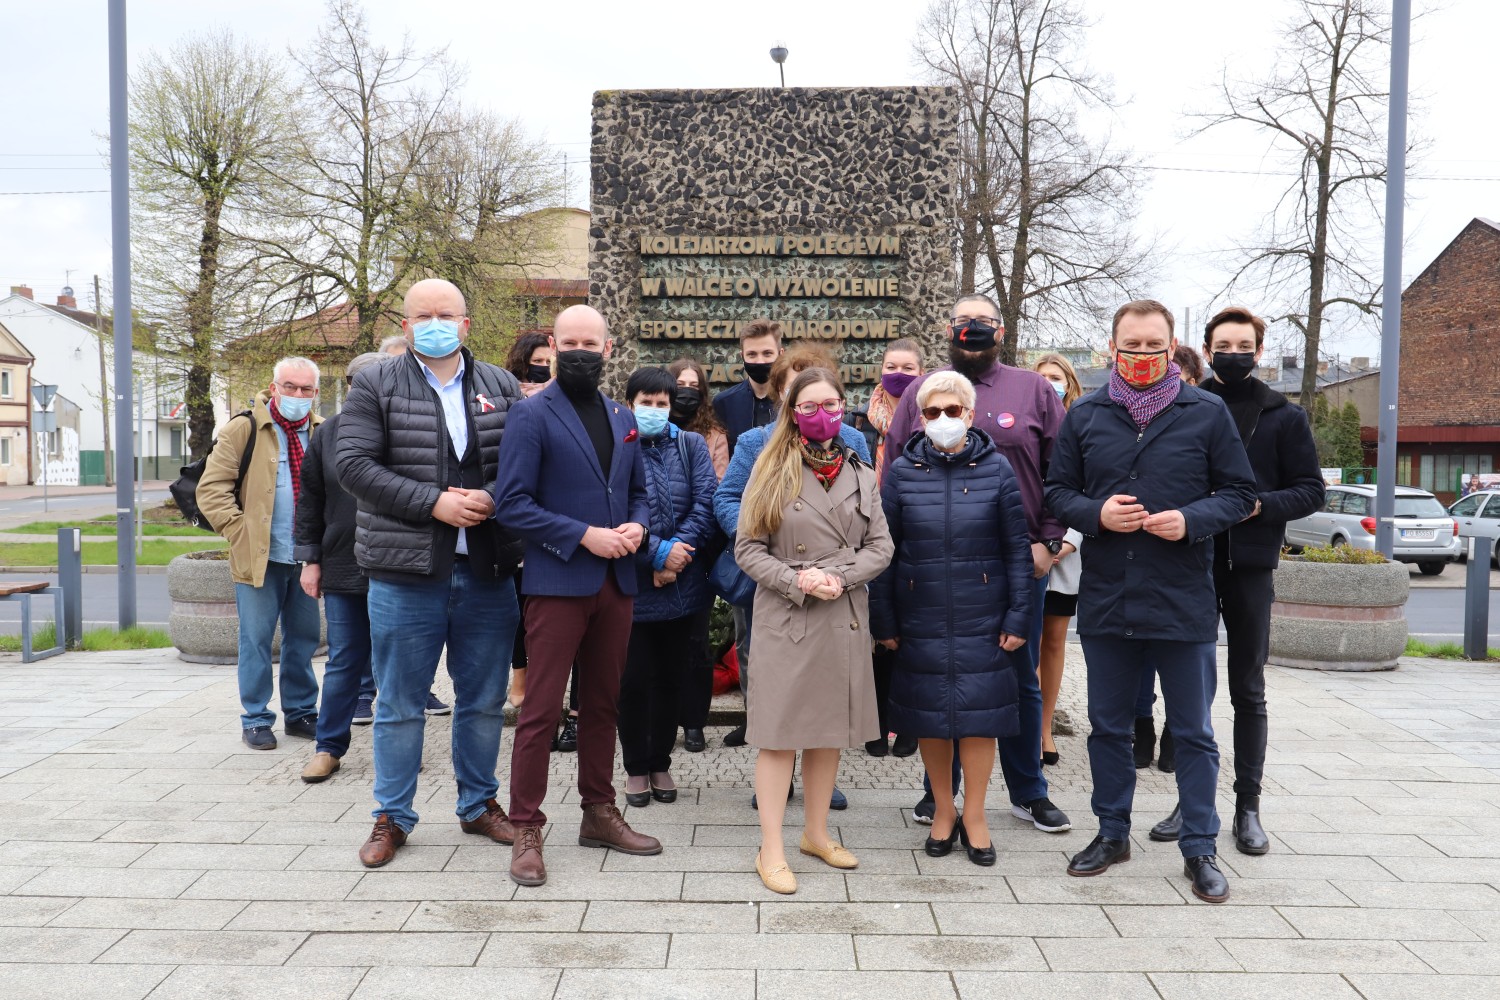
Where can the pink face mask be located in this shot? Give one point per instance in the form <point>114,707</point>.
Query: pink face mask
<point>821,426</point>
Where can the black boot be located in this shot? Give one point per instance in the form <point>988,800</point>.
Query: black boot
<point>1166,761</point>
<point>567,738</point>
<point>1170,828</point>
<point>1145,740</point>
<point>904,746</point>
<point>1249,836</point>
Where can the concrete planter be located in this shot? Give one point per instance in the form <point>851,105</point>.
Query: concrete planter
<point>205,624</point>
<point>1338,616</point>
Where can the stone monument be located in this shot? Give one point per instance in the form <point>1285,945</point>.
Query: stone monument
<point>831,211</point>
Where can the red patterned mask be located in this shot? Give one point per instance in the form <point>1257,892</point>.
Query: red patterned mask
<point>1142,368</point>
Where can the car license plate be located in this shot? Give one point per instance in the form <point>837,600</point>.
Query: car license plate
<point>1418,534</point>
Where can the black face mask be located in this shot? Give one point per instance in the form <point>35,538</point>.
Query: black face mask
<point>578,372</point>
<point>538,373</point>
<point>686,402</point>
<point>1230,368</point>
<point>975,335</point>
<point>759,373</point>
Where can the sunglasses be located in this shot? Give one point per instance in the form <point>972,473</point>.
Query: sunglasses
<point>933,412</point>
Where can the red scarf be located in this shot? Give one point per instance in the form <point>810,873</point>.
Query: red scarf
<point>825,465</point>
<point>293,447</point>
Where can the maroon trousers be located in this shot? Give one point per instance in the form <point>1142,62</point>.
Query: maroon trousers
<point>595,631</point>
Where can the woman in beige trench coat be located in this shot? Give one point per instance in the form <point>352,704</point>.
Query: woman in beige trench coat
<point>812,534</point>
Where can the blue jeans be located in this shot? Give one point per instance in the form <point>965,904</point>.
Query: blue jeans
<point>410,623</point>
<point>1188,681</point>
<point>347,671</point>
<point>281,598</point>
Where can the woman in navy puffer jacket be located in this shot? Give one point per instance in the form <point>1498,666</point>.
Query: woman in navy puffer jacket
<point>671,607</point>
<point>955,603</point>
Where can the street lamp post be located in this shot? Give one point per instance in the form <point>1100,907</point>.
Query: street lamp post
<point>1390,316</point>
<point>778,56</point>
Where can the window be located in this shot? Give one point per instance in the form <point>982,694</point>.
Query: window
<point>5,387</point>
<point>1419,507</point>
<point>1403,471</point>
<point>176,441</point>
<point>1356,504</point>
<point>5,450</point>
<point>1335,502</point>
<point>1492,509</point>
<point>1468,507</point>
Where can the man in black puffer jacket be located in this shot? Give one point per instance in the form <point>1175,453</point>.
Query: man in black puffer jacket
<point>1288,485</point>
<point>419,449</point>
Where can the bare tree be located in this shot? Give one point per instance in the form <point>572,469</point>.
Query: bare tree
<point>1046,217</point>
<point>1323,103</point>
<point>206,119</point>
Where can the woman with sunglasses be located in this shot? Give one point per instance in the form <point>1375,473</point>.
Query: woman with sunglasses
<point>955,604</point>
<point>811,535</point>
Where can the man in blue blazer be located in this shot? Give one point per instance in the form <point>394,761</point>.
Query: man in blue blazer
<point>749,403</point>
<point>572,485</point>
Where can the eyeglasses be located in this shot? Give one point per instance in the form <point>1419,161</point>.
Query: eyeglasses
<point>961,321</point>
<point>932,412</point>
<point>423,317</point>
<point>832,407</point>
<point>293,389</point>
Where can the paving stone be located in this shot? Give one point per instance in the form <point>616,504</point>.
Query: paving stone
<point>222,982</point>
<point>1251,986</point>
<point>1376,924</point>
<point>847,918</point>
<point>333,915</point>
<point>117,812</point>
<point>1422,895</point>
<point>776,984</point>
<point>272,885</point>
<point>1023,920</point>
<point>947,952</point>
<point>513,915</point>
<point>31,911</point>
<point>223,857</point>
<point>1323,956</point>
<point>735,859</point>
<point>420,885</point>
<point>55,944</point>
<point>54,829</point>
<point>671,917</point>
<point>812,887</point>
<point>580,951</point>
<point>151,914</point>
<point>1136,955</point>
<point>1202,922</point>
<point>1272,892</point>
<point>1454,958</point>
<point>762,951</point>
<point>1368,844</point>
<point>419,983</point>
<point>398,948</point>
<point>177,947</point>
<point>1393,986</point>
<point>411,858</point>
<point>1055,985</point>
<point>37,981</point>
<point>1444,869</point>
<point>142,883</point>
<point>1067,889</point>
<point>179,832</point>
<point>71,855</point>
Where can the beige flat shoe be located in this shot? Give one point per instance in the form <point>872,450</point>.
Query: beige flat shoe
<point>779,879</point>
<point>834,855</point>
<point>320,768</point>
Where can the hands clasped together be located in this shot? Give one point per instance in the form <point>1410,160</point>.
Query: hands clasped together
<point>1122,514</point>
<point>815,582</point>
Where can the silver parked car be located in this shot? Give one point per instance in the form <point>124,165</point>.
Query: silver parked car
<point>1478,514</point>
<point>1426,534</point>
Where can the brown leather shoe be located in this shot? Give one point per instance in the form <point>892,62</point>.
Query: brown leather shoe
<point>492,823</point>
<point>603,826</point>
<point>385,840</point>
<point>526,865</point>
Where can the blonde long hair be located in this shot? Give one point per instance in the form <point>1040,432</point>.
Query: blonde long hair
<point>1075,388</point>
<point>776,479</point>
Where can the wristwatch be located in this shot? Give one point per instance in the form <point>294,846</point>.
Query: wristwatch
<point>1054,545</point>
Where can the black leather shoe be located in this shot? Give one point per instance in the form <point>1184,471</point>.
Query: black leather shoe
<point>1145,740</point>
<point>259,738</point>
<point>661,794</point>
<point>567,740</point>
<point>936,848</point>
<point>1166,760</point>
<point>735,737</point>
<point>1169,829</point>
<point>877,748</point>
<point>1096,858</point>
<point>1049,758</point>
<point>984,856</point>
<point>306,728</point>
<point>1209,884</point>
<point>904,746</point>
<point>693,741</point>
<point>638,799</point>
<point>1249,836</point>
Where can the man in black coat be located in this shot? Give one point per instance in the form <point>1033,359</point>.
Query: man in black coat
<point>418,447</point>
<point>1288,485</point>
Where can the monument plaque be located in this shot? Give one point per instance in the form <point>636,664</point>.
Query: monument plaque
<point>829,210</point>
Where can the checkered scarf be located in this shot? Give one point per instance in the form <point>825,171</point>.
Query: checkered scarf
<point>1145,405</point>
<point>293,447</point>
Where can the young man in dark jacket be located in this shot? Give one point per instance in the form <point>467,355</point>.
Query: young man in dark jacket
<point>1150,469</point>
<point>1288,485</point>
<point>419,444</point>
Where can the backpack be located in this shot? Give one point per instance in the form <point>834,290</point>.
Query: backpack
<point>185,489</point>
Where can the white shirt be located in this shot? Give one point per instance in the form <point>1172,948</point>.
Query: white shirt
<point>451,395</point>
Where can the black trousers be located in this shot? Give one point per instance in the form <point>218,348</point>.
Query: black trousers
<point>1244,597</point>
<point>657,664</point>
<point>697,692</point>
<point>882,661</point>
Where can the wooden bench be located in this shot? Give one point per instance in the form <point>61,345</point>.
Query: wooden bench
<point>23,592</point>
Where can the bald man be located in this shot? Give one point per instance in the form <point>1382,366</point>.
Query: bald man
<point>573,485</point>
<point>419,449</point>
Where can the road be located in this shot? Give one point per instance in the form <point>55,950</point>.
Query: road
<point>66,508</point>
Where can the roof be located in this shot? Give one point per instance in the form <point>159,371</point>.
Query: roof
<point>1476,222</point>
<point>336,327</point>
<point>554,288</point>
<point>1369,488</point>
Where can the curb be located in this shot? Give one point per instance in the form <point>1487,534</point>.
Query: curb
<point>140,570</point>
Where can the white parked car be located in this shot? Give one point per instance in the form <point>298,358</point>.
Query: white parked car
<point>1426,534</point>
<point>1478,515</point>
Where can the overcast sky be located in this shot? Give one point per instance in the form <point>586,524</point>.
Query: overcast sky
<point>542,61</point>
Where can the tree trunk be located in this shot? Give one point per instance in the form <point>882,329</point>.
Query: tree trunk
<point>201,348</point>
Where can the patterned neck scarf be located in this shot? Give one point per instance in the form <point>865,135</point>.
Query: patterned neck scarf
<point>293,447</point>
<point>826,465</point>
<point>1145,405</point>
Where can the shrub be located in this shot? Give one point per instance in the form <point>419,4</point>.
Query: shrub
<point>1346,554</point>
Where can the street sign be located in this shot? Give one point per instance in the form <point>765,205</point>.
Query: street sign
<point>43,394</point>
<point>44,423</point>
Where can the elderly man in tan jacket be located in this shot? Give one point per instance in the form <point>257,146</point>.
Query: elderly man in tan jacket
<point>255,515</point>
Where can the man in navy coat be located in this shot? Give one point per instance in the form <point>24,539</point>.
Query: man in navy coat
<point>749,403</point>
<point>1150,469</point>
<point>573,486</point>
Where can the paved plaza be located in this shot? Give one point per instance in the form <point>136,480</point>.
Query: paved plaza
<point>145,852</point>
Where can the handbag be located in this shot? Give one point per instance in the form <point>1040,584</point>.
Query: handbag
<point>729,581</point>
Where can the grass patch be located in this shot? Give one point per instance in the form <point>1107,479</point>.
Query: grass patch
<point>1443,650</point>
<point>96,640</point>
<point>153,553</point>
<point>104,526</point>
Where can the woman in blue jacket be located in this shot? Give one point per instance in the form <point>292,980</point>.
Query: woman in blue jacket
<point>955,604</point>
<point>673,600</point>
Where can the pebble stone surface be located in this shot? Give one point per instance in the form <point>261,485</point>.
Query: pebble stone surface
<point>145,852</point>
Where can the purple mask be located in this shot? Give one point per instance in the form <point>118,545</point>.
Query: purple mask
<point>821,426</point>
<point>895,383</point>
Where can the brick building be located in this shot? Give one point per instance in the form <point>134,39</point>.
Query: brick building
<point>1449,417</point>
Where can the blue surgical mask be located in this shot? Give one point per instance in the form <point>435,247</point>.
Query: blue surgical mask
<point>651,420</point>
<point>1061,387</point>
<point>293,408</point>
<point>435,338</point>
